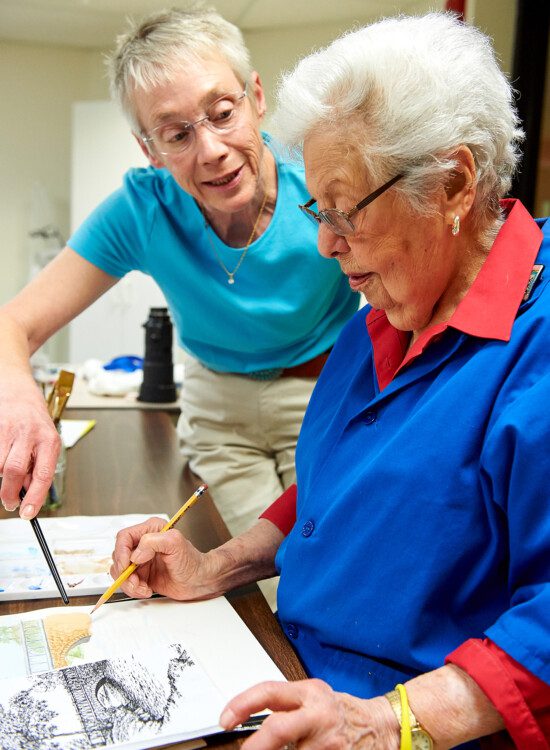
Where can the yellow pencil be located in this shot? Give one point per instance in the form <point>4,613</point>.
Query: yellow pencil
<point>130,569</point>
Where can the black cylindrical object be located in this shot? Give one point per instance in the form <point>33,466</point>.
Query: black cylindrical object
<point>158,368</point>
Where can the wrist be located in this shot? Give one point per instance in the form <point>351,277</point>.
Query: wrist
<point>390,730</point>
<point>217,573</point>
<point>413,736</point>
<point>452,707</point>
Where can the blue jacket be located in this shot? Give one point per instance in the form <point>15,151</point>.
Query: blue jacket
<point>423,513</point>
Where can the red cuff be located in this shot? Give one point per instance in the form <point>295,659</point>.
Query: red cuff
<point>519,696</point>
<point>283,511</point>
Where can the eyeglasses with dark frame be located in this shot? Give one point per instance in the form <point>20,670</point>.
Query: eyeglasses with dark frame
<point>175,136</point>
<point>338,221</point>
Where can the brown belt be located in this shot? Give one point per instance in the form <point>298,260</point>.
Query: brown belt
<point>310,369</point>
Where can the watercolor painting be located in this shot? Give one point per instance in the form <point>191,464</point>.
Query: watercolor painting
<point>126,702</point>
<point>37,645</point>
<point>80,545</point>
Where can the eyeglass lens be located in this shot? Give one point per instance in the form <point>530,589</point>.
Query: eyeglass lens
<point>221,116</point>
<point>336,221</point>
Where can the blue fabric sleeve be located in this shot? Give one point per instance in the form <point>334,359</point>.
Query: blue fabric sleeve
<point>515,472</point>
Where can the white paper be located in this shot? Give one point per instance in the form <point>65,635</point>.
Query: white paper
<point>80,545</point>
<point>73,429</point>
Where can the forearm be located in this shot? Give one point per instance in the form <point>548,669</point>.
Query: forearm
<point>452,707</point>
<point>62,290</point>
<point>247,558</point>
<point>15,347</point>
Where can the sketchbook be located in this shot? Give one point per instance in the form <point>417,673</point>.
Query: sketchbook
<point>81,547</point>
<point>138,674</point>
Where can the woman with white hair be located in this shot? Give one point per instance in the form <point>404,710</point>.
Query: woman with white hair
<point>213,221</point>
<point>414,552</point>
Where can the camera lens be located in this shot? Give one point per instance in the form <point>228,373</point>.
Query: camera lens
<point>158,368</point>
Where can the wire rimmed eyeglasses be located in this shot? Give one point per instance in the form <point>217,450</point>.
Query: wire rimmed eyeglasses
<point>175,136</point>
<point>338,221</point>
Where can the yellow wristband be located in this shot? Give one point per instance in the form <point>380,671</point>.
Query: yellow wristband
<point>406,734</point>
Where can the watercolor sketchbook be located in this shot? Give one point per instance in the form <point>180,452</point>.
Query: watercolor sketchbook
<point>81,547</point>
<point>139,674</point>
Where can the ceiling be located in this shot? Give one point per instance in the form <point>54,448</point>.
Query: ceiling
<point>95,23</point>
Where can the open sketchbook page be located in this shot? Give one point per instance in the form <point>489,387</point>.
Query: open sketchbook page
<point>139,674</point>
<point>81,547</point>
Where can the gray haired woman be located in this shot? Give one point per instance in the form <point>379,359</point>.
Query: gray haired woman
<point>415,579</point>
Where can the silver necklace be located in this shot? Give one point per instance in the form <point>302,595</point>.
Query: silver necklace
<point>231,274</point>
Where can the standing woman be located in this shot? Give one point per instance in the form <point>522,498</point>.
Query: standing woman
<point>213,221</point>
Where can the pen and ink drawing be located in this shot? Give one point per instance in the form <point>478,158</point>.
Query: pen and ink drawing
<point>107,703</point>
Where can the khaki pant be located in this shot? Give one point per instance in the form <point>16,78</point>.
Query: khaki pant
<point>239,436</point>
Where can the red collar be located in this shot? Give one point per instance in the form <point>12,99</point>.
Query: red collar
<point>490,306</point>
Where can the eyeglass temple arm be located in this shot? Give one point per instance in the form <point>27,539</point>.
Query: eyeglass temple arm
<point>373,196</point>
<point>306,207</point>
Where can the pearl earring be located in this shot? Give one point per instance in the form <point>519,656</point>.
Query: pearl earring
<point>455,229</point>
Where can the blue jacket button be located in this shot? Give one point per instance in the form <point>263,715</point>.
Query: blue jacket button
<point>307,528</point>
<point>292,630</point>
<point>370,417</point>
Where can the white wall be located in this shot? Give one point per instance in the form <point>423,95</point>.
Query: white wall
<point>498,20</point>
<point>38,85</point>
<point>112,326</point>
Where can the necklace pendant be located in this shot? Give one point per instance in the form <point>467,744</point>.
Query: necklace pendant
<point>231,280</point>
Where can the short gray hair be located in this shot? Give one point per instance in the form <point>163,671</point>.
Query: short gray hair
<point>154,49</point>
<point>404,93</point>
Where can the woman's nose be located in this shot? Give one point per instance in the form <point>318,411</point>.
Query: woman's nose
<point>210,146</point>
<point>329,244</point>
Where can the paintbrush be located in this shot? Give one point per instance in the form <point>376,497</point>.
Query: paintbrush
<point>59,394</point>
<point>47,554</point>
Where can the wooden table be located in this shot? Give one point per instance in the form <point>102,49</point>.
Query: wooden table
<point>130,463</point>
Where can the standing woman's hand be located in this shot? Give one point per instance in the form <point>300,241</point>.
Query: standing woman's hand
<point>29,445</point>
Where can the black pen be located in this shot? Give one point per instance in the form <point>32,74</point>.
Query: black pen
<point>47,554</point>
<point>251,724</point>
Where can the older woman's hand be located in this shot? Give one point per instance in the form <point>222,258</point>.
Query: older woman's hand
<point>170,565</point>
<point>167,563</point>
<point>311,715</point>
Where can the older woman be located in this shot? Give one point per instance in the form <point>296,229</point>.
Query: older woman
<point>415,572</point>
<point>211,220</point>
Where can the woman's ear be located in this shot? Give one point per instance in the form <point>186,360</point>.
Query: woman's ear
<point>256,94</point>
<point>460,189</point>
<point>154,160</point>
